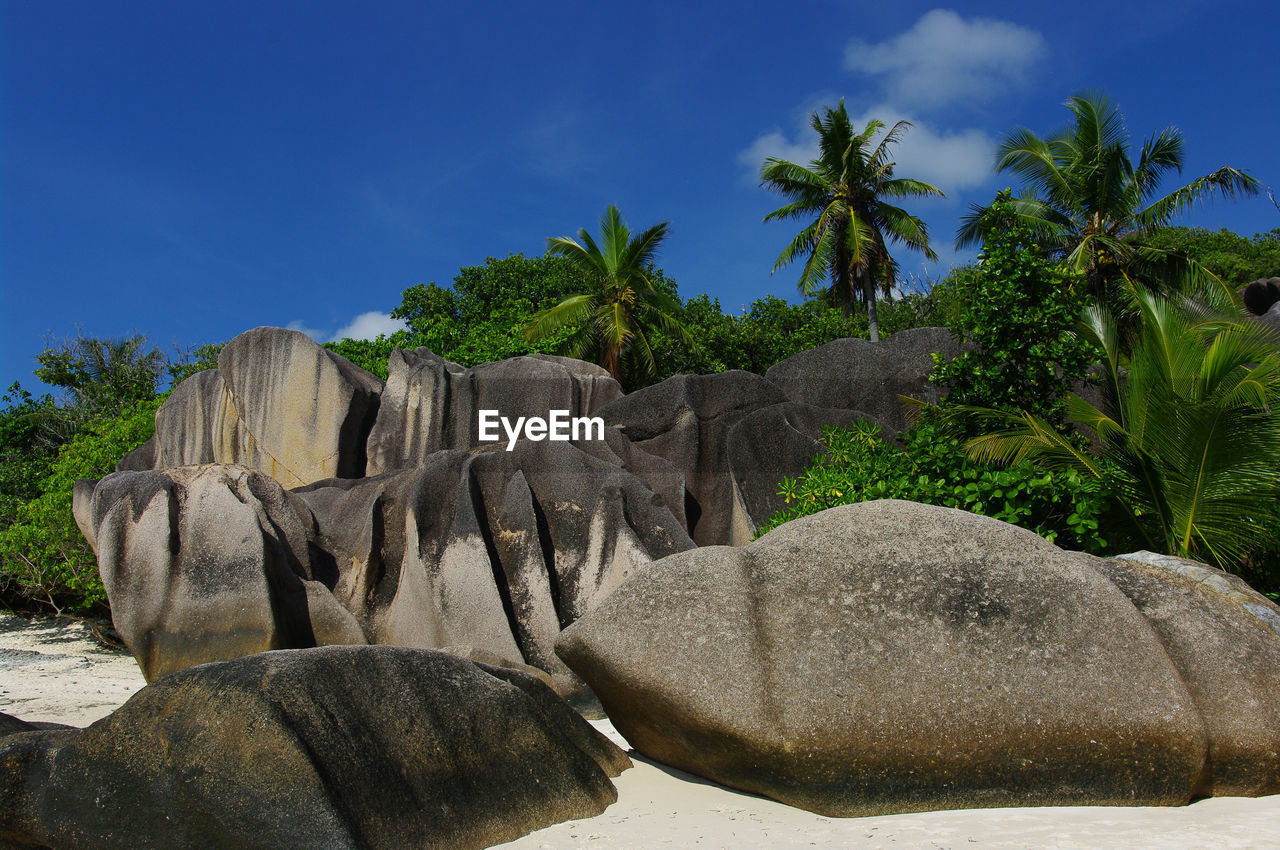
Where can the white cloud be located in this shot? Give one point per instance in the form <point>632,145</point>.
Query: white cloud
<point>945,57</point>
<point>315,334</point>
<point>775,144</point>
<point>369,326</point>
<point>952,160</point>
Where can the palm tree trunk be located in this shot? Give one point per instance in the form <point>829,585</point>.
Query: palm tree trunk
<point>872,323</point>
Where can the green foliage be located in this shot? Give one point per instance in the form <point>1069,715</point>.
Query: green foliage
<point>26,453</point>
<point>773,330</point>
<point>1236,259</point>
<point>1187,440</point>
<point>372,355</point>
<point>843,195</point>
<point>190,362</point>
<point>44,559</point>
<point>1021,311</point>
<point>482,317</point>
<point>930,466</point>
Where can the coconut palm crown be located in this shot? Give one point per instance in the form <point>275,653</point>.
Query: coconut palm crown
<point>1091,206</point>
<point>844,194</point>
<point>613,323</point>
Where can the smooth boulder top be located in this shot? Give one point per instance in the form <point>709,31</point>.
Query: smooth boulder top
<point>371,747</point>
<point>278,403</point>
<point>890,656</point>
<point>856,374</point>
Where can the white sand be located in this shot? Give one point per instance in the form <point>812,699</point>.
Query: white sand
<point>53,671</point>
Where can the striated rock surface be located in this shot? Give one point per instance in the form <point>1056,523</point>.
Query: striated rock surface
<point>1224,639</point>
<point>277,403</point>
<point>432,404</point>
<point>888,657</point>
<point>855,374</point>
<point>206,563</point>
<point>687,420</point>
<point>495,550</point>
<point>338,747</point>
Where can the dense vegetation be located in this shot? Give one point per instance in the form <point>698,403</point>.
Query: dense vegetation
<point>1177,447</point>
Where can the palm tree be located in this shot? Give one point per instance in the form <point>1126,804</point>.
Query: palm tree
<point>1187,440</point>
<point>1092,207</point>
<point>844,192</point>
<point>614,322</point>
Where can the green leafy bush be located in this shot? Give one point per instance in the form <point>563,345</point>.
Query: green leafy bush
<point>930,466</point>
<point>44,560</point>
<point>1020,310</point>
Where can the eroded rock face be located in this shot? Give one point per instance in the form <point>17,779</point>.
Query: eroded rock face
<point>1224,639</point>
<point>855,374</point>
<point>277,403</point>
<point>687,421</point>
<point>495,550</point>
<point>888,657</point>
<point>207,563</point>
<point>378,747</point>
<point>431,404</point>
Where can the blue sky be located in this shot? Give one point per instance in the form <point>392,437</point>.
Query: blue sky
<point>191,170</point>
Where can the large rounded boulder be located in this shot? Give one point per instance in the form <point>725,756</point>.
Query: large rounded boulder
<point>336,747</point>
<point>890,656</point>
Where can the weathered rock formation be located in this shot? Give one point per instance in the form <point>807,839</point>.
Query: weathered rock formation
<point>497,550</point>
<point>289,500</point>
<point>277,403</point>
<point>332,747</point>
<point>687,420</point>
<point>1261,298</point>
<point>208,563</point>
<point>890,656</point>
<point>854,374</point>
<point>431,404</point>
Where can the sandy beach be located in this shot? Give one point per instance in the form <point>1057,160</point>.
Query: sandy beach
<point>54,671</point>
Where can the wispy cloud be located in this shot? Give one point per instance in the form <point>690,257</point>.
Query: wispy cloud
<point>945,57</point>
<point>315,333</point>
<point>370,326</point>
<point>775,144</point>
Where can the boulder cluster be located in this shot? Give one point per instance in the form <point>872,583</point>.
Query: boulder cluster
<point>290,499</point>
<point>434,595</point>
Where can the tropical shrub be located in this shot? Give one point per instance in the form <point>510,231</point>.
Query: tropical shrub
<point>930,466</point>
<point>1020,310</point>
<point>1186,442</point>
<point>44,559</point>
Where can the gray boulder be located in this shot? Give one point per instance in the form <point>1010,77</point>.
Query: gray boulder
<point>687,420</point>
<point>855,374</point>
<point>1224,639</point>
<point>207,563</point>
<point>1261,295</point>
<point>889,656</point>
<point>331,747</point>
<point>277,403</point>
<point>432,404</point>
